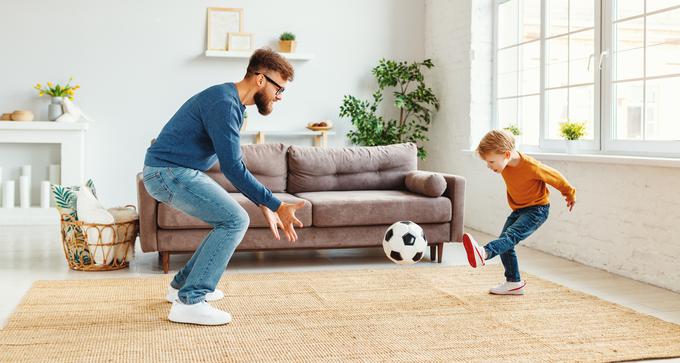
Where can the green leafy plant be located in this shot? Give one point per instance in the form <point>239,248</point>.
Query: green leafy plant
<point>287,36</point>
<point>415,101</point>
<point>513,129</point>
<point>572,130</point>
<point>57,90</point>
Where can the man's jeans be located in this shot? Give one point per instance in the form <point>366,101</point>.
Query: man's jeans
<point>198,195</point>
<point>519,225</point>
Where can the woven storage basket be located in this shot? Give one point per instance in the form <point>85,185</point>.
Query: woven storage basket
<point>98,247</point>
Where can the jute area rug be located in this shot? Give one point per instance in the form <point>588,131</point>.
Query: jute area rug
<point>398,314</point>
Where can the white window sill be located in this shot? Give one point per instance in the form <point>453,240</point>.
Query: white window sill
<point>602,158</point>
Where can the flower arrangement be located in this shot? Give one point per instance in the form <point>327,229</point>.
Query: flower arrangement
<point>57,90</point>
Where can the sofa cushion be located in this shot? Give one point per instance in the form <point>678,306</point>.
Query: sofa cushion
<point>372,207</point>
<point>312,169</point>
<point>267,163</point>
<point>425,183</point>
<point>171,218</point>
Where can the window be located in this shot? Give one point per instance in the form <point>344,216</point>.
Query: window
<point>611,64</point>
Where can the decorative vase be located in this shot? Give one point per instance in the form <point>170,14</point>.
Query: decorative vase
<point>287,46</point>
<point>55,109</point>
<point>572,146</point>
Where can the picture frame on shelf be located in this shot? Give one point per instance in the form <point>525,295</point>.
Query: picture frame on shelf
<point>240,41</point>
<point>221,22</point>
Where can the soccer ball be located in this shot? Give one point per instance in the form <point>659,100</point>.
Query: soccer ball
<point>404,242</point>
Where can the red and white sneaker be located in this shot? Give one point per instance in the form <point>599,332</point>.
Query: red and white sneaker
<point>475,253</point>
<point>509,288</point>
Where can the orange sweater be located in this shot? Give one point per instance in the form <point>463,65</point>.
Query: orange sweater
<point>526,183</point>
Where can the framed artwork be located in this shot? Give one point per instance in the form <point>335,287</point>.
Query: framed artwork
<point>239,41</point>
<point>221,22</point>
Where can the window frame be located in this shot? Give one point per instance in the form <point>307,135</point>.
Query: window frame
<point>603,141</point>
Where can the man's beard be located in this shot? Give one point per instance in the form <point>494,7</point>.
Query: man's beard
<point>264,105</point>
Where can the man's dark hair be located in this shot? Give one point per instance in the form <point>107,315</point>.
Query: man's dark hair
<point>265,59</point>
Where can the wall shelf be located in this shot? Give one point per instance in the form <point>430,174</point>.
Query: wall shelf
<point>247,54</point>
<point>320,137</point>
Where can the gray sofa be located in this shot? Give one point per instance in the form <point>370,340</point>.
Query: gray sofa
<point>351,196</point>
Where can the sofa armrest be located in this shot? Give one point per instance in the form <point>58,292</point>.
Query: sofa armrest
<point>455,190</point>
<point>148,217</point>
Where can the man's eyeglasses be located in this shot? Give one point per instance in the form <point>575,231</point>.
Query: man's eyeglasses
<point>279,89</point>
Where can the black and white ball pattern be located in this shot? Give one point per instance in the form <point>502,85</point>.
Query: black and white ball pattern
<point>405,242</point>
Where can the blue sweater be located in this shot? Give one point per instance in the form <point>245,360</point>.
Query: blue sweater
<point>206,129</point>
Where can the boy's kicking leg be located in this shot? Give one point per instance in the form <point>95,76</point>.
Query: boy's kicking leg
<point>519,225</point>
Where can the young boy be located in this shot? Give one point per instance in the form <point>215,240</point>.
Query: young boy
<point>525,179</point>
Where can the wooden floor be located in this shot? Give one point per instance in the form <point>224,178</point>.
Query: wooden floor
<point>35,253</point>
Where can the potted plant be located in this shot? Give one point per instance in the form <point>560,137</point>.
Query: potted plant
<point>572,132</point>
<point>413,99</point>
<point>516,132</point>
<point>57,92</point>
<point>287,42</point>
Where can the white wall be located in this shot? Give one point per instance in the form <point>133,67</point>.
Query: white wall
<point>138,61</point>
<point>626,217</point>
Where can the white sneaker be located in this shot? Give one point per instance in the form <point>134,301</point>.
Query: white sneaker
<point>171,296</point>
<point>475,253</point>
<point>509,288</point>
<point>200,314</point>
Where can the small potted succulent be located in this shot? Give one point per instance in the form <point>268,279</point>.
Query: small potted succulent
<point>287,42</point>
<point>572,132</point>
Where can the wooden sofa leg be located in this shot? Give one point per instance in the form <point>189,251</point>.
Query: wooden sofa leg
<point>164,259</point>
<point>440,251</point>
<point>433,251</point>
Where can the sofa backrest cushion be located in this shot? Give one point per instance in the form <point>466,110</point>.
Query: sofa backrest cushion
<point>267,163</point>
<point>313,169</point>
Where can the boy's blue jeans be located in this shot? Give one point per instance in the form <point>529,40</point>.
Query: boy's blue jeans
<point>519,225</point>
<point>198,195</point>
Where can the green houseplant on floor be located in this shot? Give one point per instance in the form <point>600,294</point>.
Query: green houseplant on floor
<point>413,99</point>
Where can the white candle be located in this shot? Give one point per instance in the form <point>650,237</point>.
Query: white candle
<point>26,171</point>
<point>25,191</point>
<point>55,174</point>
<point>8,194</point>
<point>45,194</point>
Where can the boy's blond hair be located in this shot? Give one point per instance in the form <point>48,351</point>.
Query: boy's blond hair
<point>497,141</point>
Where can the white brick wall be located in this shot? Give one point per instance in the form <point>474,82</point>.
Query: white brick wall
<point>626,219</point>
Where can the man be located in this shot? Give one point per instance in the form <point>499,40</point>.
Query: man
<point>204,130</point>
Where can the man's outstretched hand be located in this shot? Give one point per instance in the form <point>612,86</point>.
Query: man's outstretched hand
<point>283,218</point>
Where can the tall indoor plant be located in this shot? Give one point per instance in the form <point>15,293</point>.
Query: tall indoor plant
<point>414,100</point>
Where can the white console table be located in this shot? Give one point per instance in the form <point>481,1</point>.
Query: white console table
<point>71,140</point>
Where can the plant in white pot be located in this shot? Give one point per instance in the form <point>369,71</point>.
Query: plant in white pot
<point>572,132</point>
<point>516,132</point>
<point>287,42</point>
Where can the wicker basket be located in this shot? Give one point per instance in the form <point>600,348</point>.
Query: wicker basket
<point>98,247</point>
